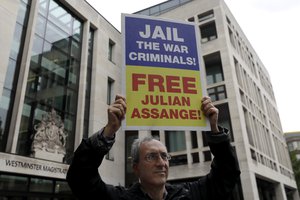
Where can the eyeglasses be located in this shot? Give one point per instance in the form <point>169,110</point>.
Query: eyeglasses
<point>150,157</point>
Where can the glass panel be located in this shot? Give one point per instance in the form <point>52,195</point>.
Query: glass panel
<point>21,18</point>
<point>62,187</point>
<point>55,34</point>
<point>194,139</point>
<point>43,7</point>
<point>207,15</point>
<point>9,78</point>
<point>213,66</point>
<point>73,74</point>
<point>110,83</point>
<point>12,70</point>
<point>26,2</point>
<point>40,185</point>
<point>178,160</point>
<point>36,51</point>
<point>15,48</point>
<point>204,139</point>
<point>77,30</point>
<point>60,17</point>
<point>168,5</point>
<point>54,62</point>
<point>175,141</point>
<point>154,10</point>
<point>195,157</point>
<point>13,183</point>
<point>71,101</point>
<point>53,75</point>
<point>4,106</point>
<point>224,118</point>
<point>75,50</point>
<point>40,25</point>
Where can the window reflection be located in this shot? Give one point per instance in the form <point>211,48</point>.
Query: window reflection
<point>13,183</point>
<point>53,75</point>
<point>175,141</point>
<point>9,89</point>
<point>40,185</point>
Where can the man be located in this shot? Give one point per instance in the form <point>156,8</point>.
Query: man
<point>151,164</point>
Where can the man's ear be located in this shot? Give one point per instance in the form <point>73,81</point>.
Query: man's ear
<point>135,168</point>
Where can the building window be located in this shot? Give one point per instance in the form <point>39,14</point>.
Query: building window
<point>12,73</point>
<point>207,15</point>
<point>155,135</point>
<point>217,93</point>
<point>232,40</point>
<point>13,183</point>
<point>111,47</point>
<point>204,139</point>
<point>175,141</point>
<point>224,118</point>
<point>195,157</point>
<point>178,160</point>
<point>13,187</point>
<point>213,67</point>
<point>53,77</point>
<point>191,19</point>
<point>110,84</point>
<point>41,185</point>
<point>208,32</point>
<point>194,139</point>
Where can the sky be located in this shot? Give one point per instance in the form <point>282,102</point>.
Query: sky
<point>273,29</point>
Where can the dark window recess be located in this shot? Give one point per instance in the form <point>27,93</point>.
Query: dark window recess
<point>178,160</point>
<point>208,32</point>
<point>214,68</point>
<point>206,15</point>
<point>155,134</point>
<point>195,157</point>
<point>217,93</point>
<point>194,139</point>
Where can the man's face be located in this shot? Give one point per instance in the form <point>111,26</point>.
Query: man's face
<point>152,169</point>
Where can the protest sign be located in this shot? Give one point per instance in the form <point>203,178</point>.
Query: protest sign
<point>163,79</point>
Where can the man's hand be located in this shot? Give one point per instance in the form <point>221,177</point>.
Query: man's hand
<point>211,112</point>
<point>116,113</point>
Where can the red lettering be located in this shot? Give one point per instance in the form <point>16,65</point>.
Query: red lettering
<point>154,113</point>
<point>189,85</point>
<point>183,114</point>
<point>174,113</point>
<point>164,114</point>
<point>135,113</point>
<point>173,84</point>
<point>193,114</point>
<point>145,113</point>
<point>136,80</point>
<point>156,80</point>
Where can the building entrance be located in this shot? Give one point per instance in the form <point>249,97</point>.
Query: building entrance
<point>19,187</point>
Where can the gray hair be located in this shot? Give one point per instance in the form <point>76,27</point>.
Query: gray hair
<point>135,148</point>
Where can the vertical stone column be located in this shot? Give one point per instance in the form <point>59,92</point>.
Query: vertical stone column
<point>249,185</point>
<point>82,83</point>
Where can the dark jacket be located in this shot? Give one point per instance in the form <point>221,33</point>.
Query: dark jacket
<point>85,182</point>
